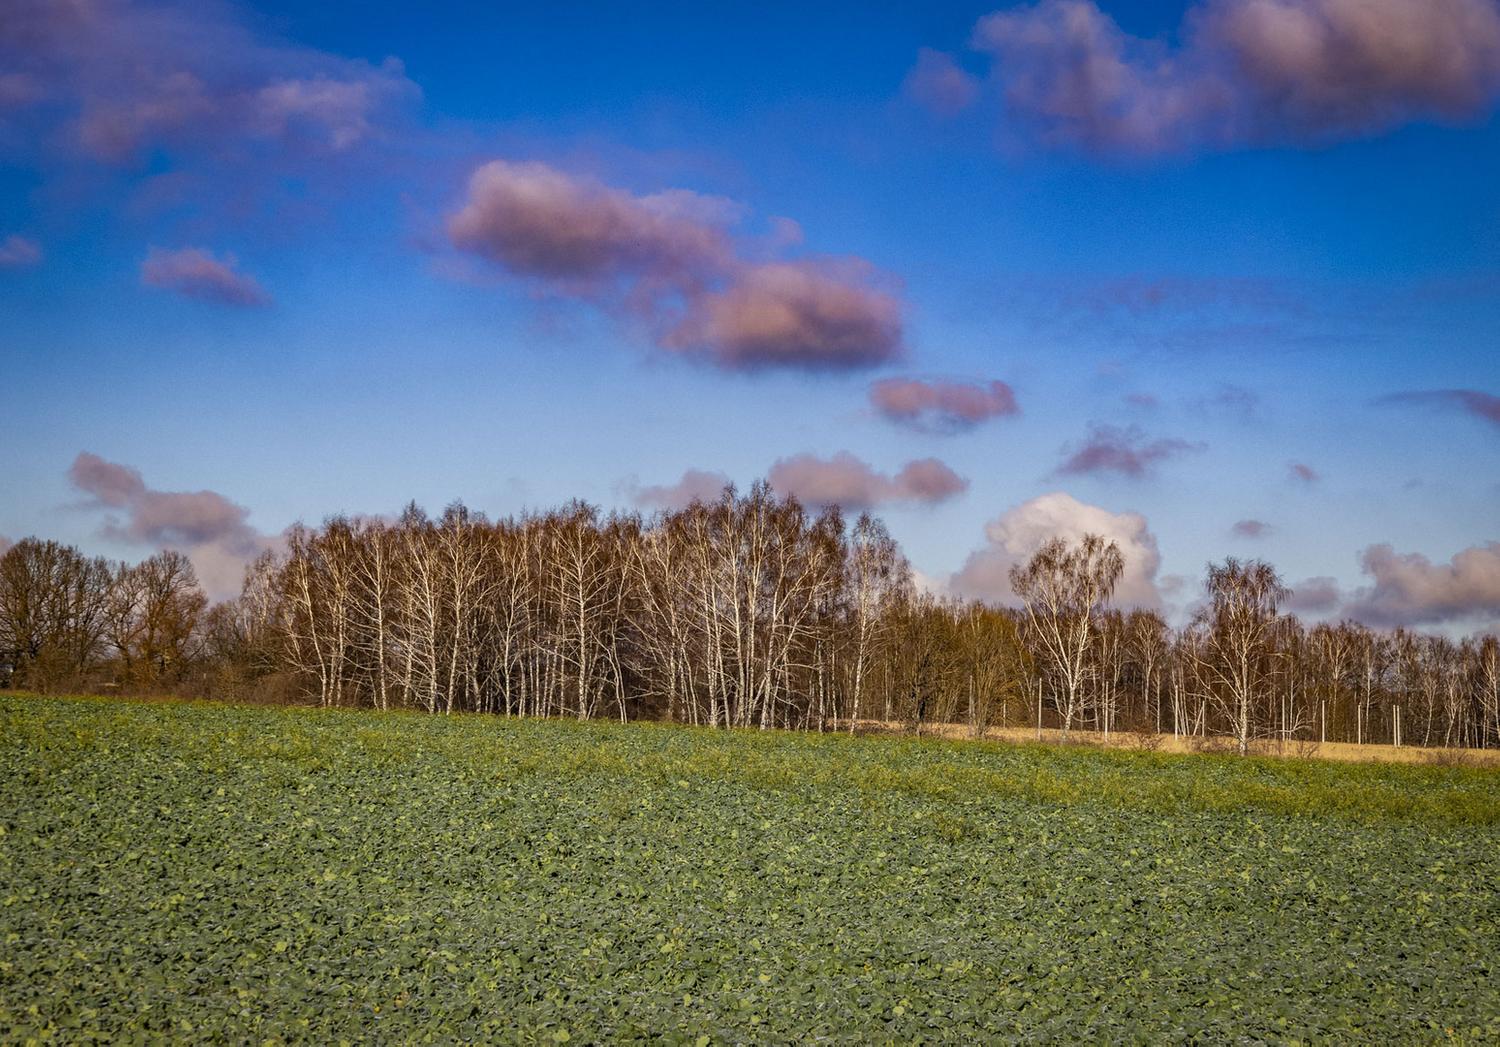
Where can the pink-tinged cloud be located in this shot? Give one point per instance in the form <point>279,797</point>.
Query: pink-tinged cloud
<point>785,232</point>
<point>1303,473</point>
<point>1125,452</point>
<point>1075,78</point>
<point>797,315</point>
<point>5,544</point>
<point>112,485</point>
<point>19,252</point>
<point>1315,596</point>
<point>670,261</point>
<point>1245,72</point>
<point>939,84</point>
<point>695,485</point>
<point>539,222</point>
<point>340,113</point>
<point>1332,68</point>
<point>850,483</point>
<point>929,481</point>
<point>206,525</point>
<point>1409,589</point>
<point>198,273</point>
<point>1250,529</point>
<point>1014,536</point>
<point>119,80</point>
<point>942,406</point>
<point>1484,406</point>
<point>189,517</point>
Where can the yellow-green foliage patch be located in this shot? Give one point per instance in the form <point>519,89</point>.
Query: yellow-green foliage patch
<point>205,872</point>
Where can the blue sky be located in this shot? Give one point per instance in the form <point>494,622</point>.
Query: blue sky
<point>1262,275</point>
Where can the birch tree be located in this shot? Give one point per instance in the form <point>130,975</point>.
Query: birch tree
<point>1238,627</point>
<point>1064,588</point>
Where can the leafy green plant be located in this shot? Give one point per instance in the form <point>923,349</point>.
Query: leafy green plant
<point>213,873</point>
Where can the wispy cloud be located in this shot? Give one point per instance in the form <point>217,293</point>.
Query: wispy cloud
<point>695,485</point>
<point>1181,313</point>
<point>1234,401</point>
<point>941,406</point>
<point>842,479</point>
<point>1124,451</point>
<point>851,483</point>
<point>19,252</point>
<point>937,83</point>
<point>1484,406</point>
<point>116,80</point>
<point>197,273</point>
<point>213,530</point>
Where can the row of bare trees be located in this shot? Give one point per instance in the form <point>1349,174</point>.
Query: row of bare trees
<point>1241,667</point>
<point>65,616</point>
<point>748,611</point>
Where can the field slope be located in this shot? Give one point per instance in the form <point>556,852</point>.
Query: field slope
<point>206,872</point>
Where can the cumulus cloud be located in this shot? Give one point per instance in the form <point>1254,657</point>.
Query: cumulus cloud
<point>671,260</point>
<point>214,531</point>
<point>1324,68</point>
<point>1303,473</point>
<point>19,252</point>
<point>1409,589</point>
<point>1244,72</point>
<point>695,485</point>
<point>1014,536</point>
<point>850,483</point>
<point>1076,78</point>
<point>539,222</point>
<point>937,83</point>
<point>1250,529</point>
<point>798,314</point>
<point>197,273</point>
<point>115,81</point>
<point>941,406</point>
<point>1484,406</point>
<point>1127,452</point>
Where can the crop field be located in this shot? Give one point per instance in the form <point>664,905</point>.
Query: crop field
<point>197,872</point>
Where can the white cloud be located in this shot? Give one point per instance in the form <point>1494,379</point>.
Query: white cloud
<point>1016,534</point>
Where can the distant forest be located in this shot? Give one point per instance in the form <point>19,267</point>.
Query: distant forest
<point>748,611</point>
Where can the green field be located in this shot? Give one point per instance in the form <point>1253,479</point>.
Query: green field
<point>204,872</point>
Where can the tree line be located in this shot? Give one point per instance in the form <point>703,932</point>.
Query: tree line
<point>746,611</point>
